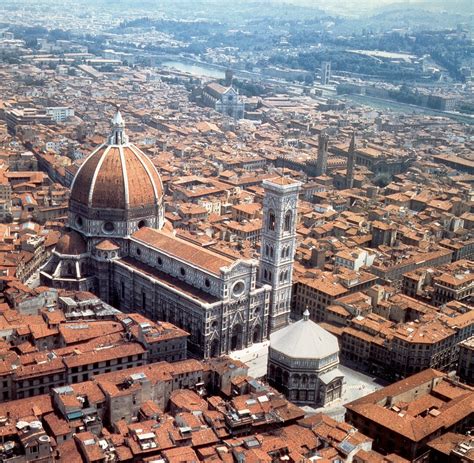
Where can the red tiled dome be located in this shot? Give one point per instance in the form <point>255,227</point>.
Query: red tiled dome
<point>107,245</point>
<point>71,243</point>
<point>117,175</point>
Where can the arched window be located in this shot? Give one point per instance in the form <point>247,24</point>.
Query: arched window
<point>271,219</point>
<point>288,217</point>
<point>296,380</point>
<point>285,252</point>
<point>265,274</point>
<point>271,251</point>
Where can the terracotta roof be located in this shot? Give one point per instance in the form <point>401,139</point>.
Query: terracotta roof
<point>182,250</point>
<point>372,407</point>
<point>71,243</point>
<point>283,181</point>
<point>117,177</point>
<point>107,245</point>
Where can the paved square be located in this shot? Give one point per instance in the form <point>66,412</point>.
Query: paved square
<point>356,384</point>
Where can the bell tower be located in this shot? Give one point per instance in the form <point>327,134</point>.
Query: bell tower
<point>278,244</point>
<point>322,160</point>
<point>351,162</point>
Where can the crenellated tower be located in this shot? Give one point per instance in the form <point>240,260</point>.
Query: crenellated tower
<point>322,160</point>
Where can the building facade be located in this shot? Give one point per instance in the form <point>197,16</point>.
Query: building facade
<point>351,163</point>
<point>225,100</point>
<point>466,361</point>
<point>325,72</point>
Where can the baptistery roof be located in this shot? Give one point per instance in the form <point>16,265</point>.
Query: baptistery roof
<point>117,175</point>
<point>304,339</point>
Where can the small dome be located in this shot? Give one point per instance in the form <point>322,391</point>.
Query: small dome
<point>304,339</point>
<point>72,244</point>
<point>107,245</point>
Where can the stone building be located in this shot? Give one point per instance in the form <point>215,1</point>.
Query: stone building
<point>119,247</point>
<point>225,100</point>
<point>466,361</point>
<point>406,416</point>
<point>303,363</point>
<point>322,159</point>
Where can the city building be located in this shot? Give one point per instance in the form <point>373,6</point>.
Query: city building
<point>225,100</point>
<point>120,247</point>
<point>60,113</point>
<point>17,117</point>
<point>407,415</point>
<point>351,162</point>
<point>322,159</point>
<point>303,363</point>
<point>278,243</point>
<point>466,361</point>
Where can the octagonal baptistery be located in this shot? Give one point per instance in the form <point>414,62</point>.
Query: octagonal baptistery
<point>303,363</point>
<point>117,189</point>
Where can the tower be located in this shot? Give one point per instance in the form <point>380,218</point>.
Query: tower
<point>322,161</point>
<point>325,72</point>
<point>229,77</point>
<point>350,163</point>
<point>278,244</point>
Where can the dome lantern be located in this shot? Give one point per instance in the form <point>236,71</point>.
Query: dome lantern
<point>118,135</point>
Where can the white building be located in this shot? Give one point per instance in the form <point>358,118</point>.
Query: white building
<point>225,100</point>
<point>303,362</point>
<point>354,259</point>
<point>60,113</point>
<point>278,242</point>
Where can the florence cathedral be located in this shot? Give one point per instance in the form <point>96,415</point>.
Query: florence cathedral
<point>119,246</point>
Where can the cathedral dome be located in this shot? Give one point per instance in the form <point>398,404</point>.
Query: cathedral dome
<point>71,244</point>
<point>117,175</point>
<point>116,190</point>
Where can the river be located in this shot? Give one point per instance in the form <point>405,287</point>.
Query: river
<point>194,69</point>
